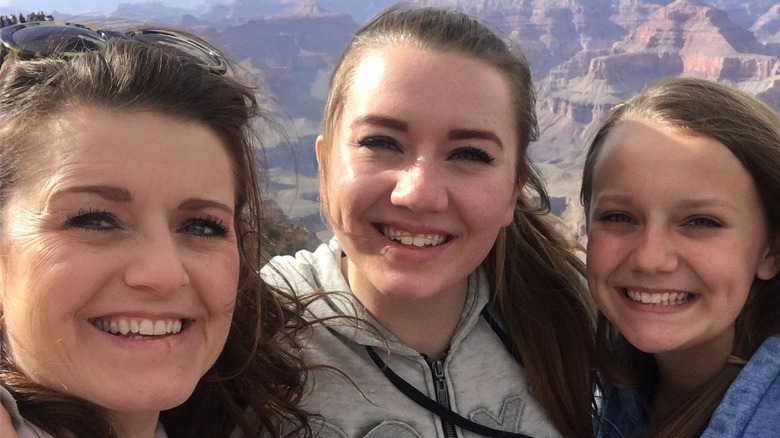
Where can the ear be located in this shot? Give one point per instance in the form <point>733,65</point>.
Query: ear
<point>318,148</point>
<point>769,264</point>
<point>509,215</point>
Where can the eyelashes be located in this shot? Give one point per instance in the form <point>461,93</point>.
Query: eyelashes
<point>205,226</point>
<point>698,221</point>
<point>616,217</point>
<point>464,153</point>
<point>471,153</point>
<point>93,219</point>
<point>379,142</point>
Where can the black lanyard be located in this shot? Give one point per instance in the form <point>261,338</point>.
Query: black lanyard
<point>431,405</point>
<point>443,413</point>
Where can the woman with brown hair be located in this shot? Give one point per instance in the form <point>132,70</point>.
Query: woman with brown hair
<point>451,304</point>
<point>130,217</point>
<point>682,194</point>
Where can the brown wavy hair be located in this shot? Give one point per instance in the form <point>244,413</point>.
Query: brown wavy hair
<point>537,279</point>
<point>751,131</point>
<point>256,383</point>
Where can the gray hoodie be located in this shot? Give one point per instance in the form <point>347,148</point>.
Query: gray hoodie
<point>481,380</point>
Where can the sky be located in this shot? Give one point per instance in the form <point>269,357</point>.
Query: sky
<point>85,6</point>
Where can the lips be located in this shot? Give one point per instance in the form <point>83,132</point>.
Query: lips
<point>139,328</point>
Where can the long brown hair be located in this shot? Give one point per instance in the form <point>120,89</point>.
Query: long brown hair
<point>256,382</point>
<point>536,278</point>
<point>751,131</point>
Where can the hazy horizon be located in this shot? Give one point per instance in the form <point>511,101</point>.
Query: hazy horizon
<point>105,7</point>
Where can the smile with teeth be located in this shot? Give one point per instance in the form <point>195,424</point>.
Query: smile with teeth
<point>139,328</point>
<point>412,239</point>
<point>663,299</point>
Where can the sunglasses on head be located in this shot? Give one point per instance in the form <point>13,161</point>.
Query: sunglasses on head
<point>38,39</point>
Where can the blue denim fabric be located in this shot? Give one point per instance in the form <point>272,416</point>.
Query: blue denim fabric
<point>751,406</point>
<point>621,414</point>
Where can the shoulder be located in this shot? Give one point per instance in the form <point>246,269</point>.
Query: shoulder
<point>306,271</point>
<point>23,428</point>
<point>751,404</point>
<point>9,404</point>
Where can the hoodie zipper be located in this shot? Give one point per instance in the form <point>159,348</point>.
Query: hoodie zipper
<point>442,395</point>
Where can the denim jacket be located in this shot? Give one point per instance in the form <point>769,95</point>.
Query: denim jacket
<point>621,413</point>
<point>750,408</point>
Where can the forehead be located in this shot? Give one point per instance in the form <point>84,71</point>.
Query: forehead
<point>400,64</point>
<point>648,157</point>
<point>417,84</point>
<point>85,142</point>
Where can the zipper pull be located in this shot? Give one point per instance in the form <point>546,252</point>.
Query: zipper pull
<point>440,383</point>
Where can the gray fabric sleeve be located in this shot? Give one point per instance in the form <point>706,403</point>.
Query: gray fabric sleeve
<point>9,404</point>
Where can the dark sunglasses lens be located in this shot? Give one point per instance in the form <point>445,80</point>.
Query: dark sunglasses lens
<point>190,49</point>
<point>44,40</point>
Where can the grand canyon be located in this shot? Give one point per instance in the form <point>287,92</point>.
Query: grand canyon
<point>586,55</point>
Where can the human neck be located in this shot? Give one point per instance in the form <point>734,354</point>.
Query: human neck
<point>135,424</point>
<point>682,373</point>
<point>425,324</point>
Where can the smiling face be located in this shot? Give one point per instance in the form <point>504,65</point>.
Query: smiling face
<point>421,172</point>
<point>119,259</point>
<point>676,237</point>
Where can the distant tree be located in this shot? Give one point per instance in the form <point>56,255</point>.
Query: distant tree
<point>282,237</point>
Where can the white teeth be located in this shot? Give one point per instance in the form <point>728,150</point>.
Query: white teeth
<point>124,326</point>
<point>664,299</point>
<point>410,239</point>
<point>146,327</point>
<point>139,329</point>
<point>160,327</point>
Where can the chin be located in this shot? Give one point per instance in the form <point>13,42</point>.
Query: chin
<point>652,346</point>
<point>152,396</point>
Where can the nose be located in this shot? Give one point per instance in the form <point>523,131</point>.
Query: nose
<point>654,251</point>
<point>156,264</point>
<point>420,188</point>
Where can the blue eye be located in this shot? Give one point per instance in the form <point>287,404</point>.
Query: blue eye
<point>379,142</point>
<point>704,222</point>
<point>617,217</point>
<point>96,220</point>
<point>470,153</point>
<point>208,227</point>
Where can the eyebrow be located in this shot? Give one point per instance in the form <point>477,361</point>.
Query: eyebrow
<point>114,194</point>
<point>685,203</point>
<point>201,204</point>
<point>708,202</point>
<point>466,134</point>
<point>398,125</point>
<point>387,122</point>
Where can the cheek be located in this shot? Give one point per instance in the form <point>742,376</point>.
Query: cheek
<point>348,193</point>
<point>493,211</point>
<point>218,290</point>
<point>219,284</point>
<point>601,255</point>
<point>40,341</point>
